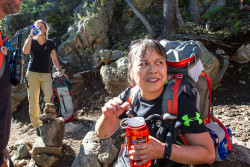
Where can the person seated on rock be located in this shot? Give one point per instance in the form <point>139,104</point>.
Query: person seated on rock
<point>147,68</point>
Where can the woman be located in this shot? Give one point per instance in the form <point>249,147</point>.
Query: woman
<point>147,68</point>
<point>38,74</point>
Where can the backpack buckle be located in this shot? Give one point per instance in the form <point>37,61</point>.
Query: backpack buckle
<point>179,75</point>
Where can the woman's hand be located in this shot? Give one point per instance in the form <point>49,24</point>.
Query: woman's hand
<point>145,152</point>
<point>60,73</point>
<point>108,123</point>
<point>114,108</point>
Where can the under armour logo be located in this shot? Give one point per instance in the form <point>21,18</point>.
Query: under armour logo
<point>188,120</point>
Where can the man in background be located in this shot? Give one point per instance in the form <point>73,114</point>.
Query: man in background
<point>6,7</point>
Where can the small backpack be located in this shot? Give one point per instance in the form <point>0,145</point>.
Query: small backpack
<point>15,59</point>
<point>62,98</point>
<point>186,73</point>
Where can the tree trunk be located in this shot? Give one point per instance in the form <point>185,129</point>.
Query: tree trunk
<point>178,15</point>
<point>144,21</point>
<point>169,20</point>
<point>194,11</point>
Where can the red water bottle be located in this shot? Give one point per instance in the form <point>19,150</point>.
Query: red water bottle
<point>136,133</point>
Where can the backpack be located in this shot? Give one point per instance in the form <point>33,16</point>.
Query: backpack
<point>186,74</point>
<point>15,59</point>
<point>62,98</point>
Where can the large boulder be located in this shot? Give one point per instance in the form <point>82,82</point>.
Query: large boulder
<point>114,76</point>
<point>95,152</point>
<point>87,35</point>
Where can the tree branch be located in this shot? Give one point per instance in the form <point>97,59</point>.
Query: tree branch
<point>144,21</point>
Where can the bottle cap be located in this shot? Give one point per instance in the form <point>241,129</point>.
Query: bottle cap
<point>32,26</point>
<point>136,121</point>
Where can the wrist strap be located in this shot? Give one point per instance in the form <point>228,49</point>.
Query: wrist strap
<point>168,150</point>
<point>168,146</point>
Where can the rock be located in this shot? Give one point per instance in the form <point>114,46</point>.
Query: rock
<point>242,55</point>
<point>105,55</point>
<point>219,51</point>
<point>71,127</point>
<point>52,132</point>
<point>49,108</point>
<point>87,35</point>
<point>107,152</point>
<point>19,93</point>
<point>22,150</point>
<point>45,160</point>
<point>40,148</point>
<point>46,117</point>
<point>32,163</point>
<point>109,56</point>
<point>116,55</point>
<point>114,76</point>
<point>93,149</point>
<point>21,163</point>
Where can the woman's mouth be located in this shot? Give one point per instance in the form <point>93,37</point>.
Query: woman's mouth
<point>152,80</point>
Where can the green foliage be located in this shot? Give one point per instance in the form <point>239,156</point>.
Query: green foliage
<point>42,7</point>
<point>120,47</point>
<point>102,2</point>
<point>55,20</point>
<point>64,8</point>
<point>27,6</point>
<point>93,9</point>
<point>2,23</point>
<point>186,16</point>
<point>216,12</point>
<point>205,17</point>
<point>183,3</point>
<point>237,25</point>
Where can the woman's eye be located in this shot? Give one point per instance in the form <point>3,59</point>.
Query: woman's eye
<point>158,62</point>
<point>143,64</point>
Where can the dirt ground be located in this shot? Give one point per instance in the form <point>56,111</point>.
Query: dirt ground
<point>230,100</point>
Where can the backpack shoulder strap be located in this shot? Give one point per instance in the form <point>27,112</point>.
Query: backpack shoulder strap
<point>131,98</point>
<point>171,94</point>
<point>3,53</point>
<point>2,64</point>
<point>208,120</point>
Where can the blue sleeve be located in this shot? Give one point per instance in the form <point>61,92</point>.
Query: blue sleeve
<point>189,115</point>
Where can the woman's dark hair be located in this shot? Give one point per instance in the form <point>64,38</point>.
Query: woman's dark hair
<point>141,47</point>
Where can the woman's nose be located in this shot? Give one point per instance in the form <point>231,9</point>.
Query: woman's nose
<point>152,69</point>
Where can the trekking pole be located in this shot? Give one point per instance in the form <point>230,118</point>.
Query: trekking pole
<point>176,130</point>
<point>167,131</point>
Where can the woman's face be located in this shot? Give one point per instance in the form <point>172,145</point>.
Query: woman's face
<point>42,27</point>
<point>150,74</point>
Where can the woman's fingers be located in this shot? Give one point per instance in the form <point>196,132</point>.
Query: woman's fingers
<point>140,155</point>
<point>115,107</point>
